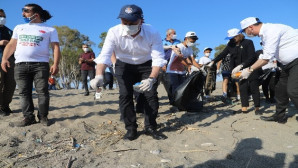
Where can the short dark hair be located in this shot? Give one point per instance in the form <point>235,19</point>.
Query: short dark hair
<point>258,22</point>
<point>44,14</point>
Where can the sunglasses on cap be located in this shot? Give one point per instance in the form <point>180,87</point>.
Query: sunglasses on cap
<point>26,10</point>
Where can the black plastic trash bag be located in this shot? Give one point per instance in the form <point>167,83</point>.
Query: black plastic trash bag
<point>185,96</point>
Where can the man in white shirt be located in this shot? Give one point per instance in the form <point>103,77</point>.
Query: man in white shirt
<point>31,42</point>
<point>279,41</point>
<point>139,52</point>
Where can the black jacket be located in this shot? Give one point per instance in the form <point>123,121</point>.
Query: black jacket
<point>243,54</point>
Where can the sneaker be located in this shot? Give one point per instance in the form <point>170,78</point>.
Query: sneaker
<point>25,122</point>
<point>44,121</point>
<point>86,94</point>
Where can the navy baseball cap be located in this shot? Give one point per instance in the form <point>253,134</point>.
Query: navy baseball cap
<point>131,13</point>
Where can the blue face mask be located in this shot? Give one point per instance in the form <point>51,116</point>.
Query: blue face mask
<point>28,19</point>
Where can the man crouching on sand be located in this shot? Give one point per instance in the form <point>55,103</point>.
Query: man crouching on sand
<point>139,52</point>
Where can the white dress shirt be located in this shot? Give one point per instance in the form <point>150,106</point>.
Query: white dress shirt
<point>147,45</point>
<point>279,41</point>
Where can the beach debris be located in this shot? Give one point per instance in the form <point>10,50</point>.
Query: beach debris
<point>290,146</point>
<point>165,160</point>
<point>189,129</point>
<point>186,145</point>
<point>207,144</point>
<point>155,152</point>
<point>137,165</point>
<point>123,150</point>
<point>69,163</point>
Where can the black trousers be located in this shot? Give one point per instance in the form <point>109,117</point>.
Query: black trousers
<point>108,80</point>
<point>84,75</point>
<point>287,87</point>
<point>268,85</point>
<point>127,75</point>
<point>247,87</point>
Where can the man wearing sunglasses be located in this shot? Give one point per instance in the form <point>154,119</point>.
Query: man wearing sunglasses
<point>7,82</point>
<point>30,42</point>
<point>139,52</point>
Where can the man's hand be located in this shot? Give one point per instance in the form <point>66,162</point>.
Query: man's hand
<point>147,84</point>
<point>97,81</point>
<point>4,64</point>
<point>237,69</point>
<point>245,73</point>
<point>54,69</point>
<point>3,42</point>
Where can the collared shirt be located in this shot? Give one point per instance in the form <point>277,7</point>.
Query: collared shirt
<point>147,45</point>
<point>87,65</point>
<point>168,51</point>
<point>279,41</point>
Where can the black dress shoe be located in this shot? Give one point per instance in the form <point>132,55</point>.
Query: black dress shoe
<point>258,112</point>
<point>280,118</point>
<point>154,134</point>
<point>131,135</point>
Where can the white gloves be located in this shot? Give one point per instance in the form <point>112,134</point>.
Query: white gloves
<point>147,84</point>
<point>194,68</point>
<point>245,73</point>
<point>97,81</point>
<point>210,64</point>
<point>237,69</point>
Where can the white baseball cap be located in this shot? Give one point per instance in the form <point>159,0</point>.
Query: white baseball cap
<point>232,33</point>
<point>207,48</point>
<point>192,34</point>
<point>248,21</point>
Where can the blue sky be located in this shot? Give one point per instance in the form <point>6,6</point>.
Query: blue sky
<point>210,19</point>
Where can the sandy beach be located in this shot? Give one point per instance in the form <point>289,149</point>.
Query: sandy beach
<point>88,133</point>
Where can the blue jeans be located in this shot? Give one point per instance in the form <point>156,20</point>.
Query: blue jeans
<point>176,80</point>
<point>25,74</point>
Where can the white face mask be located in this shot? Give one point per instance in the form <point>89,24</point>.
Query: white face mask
<point>86,49</point>
<point>190,44</point>
<point>174,37</point>
<point>207,54</point>
<point>2,20</point>
<point>250,35</point>
<point>131,29</point>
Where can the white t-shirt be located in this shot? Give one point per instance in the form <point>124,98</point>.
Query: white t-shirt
<point>204,60</point>
<point>33,42</point>
<point>186,51</point>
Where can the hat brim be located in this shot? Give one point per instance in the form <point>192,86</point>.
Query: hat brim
<point>193,37</point>
<point>229,38</point>
<point>129,18</point>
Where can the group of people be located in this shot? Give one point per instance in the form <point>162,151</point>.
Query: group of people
<point>137,53</point>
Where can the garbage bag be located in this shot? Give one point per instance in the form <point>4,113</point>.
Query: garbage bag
<point>185,96</point>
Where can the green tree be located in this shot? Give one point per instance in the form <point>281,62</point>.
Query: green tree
<point>102,37</point>
<point>219,49</point>
<point>70,41</point>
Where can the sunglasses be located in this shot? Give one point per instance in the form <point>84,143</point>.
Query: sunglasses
<point>26,10</point>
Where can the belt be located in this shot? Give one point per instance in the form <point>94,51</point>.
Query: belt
<point>32,63</point>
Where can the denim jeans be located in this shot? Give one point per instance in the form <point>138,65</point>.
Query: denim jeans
<point>84,75</point>
<point>25,74</point>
